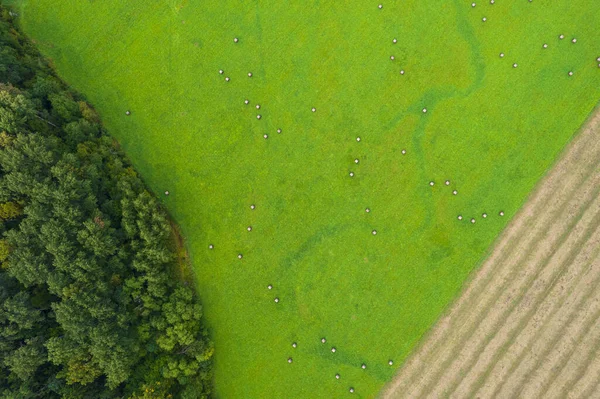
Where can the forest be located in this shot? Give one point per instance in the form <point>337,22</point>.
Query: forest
<point>91,301</point>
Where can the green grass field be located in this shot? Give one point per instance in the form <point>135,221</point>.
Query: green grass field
<point>491,129</point>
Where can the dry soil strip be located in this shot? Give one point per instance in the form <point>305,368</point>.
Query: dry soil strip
<point>574,368</point>
<point>550,200</point>
<point>516,305</point>
<point>571,325</point>
<point>568,339</point>
<point>571,284</point>
<point>588,383</point>
<point>515,335</point>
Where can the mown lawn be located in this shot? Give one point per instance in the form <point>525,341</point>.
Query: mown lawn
<point>490,129</point>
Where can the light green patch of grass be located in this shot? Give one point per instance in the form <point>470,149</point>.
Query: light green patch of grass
<point>490,128</point>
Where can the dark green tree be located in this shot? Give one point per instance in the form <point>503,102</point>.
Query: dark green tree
<point>89,307</point>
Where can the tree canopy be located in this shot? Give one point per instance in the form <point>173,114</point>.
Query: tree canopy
<point>89,304</point>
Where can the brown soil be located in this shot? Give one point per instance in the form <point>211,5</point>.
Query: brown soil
<point>182,267</point>
<point>528,322</point>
